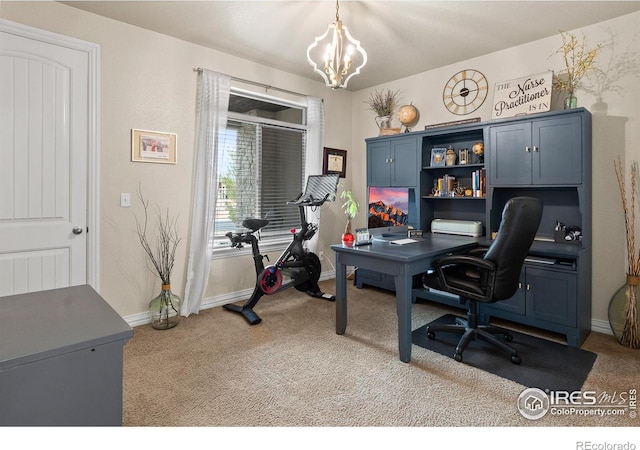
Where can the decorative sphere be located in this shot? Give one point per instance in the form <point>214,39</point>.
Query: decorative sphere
<point>407,114</point>
<point>478,148</point>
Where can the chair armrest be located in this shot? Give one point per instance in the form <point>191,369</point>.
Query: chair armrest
<point>474,261</point>
<point>488,267</point>
<point>478,251</point>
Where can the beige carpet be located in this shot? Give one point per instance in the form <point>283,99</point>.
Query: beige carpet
<point>214,369</point>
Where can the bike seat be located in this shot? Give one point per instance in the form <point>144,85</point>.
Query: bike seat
<point>255,224</point>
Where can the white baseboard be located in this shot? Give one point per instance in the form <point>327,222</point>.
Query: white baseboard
<point>135,320</point>
<point>601,326</point>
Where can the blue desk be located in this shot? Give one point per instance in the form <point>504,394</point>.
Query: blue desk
<point>401,261</point>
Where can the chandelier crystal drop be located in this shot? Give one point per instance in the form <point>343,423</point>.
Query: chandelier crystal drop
<point>336,55</point>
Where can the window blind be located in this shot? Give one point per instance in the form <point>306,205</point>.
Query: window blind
<point>260,168</point>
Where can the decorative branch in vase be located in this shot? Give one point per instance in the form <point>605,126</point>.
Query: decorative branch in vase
<point>578,62</point>
<point>623,309</point>
<point>383,103</point>
<point>161,252</point>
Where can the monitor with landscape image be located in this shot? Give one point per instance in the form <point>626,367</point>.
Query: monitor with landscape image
<point>388,213</point>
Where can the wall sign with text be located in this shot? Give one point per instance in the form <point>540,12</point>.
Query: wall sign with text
<point>527,95</point>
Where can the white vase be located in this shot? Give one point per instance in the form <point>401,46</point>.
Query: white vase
<point>383,122</point>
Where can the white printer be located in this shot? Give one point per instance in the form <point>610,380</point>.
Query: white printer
<point>461,227</point>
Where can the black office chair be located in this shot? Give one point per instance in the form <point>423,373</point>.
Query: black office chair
<point>489,278</point>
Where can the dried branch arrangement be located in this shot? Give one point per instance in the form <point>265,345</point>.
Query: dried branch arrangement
<point>630,336</point>
<point>578,61</point>
<point>162,250</point>
<point>382,102</point>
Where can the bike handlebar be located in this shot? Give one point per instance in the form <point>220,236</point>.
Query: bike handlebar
<point>237,239</point>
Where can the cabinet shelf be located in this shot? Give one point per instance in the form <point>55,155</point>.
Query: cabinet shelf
<point>456,166</point>
<point>433,197</point>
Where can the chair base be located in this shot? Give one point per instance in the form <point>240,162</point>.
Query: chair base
<point>470,332</point>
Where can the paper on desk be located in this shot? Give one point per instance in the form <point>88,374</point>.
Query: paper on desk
<point>403,241</point>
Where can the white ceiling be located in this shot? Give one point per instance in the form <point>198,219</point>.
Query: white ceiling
<point>402,38</point>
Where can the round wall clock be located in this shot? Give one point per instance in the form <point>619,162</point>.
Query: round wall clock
<point>465,92</point>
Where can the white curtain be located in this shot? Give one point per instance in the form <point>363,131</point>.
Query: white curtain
<point>211,117</point>
<point>313,160</point>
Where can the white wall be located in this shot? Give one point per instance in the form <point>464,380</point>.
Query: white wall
<point>148,83</point>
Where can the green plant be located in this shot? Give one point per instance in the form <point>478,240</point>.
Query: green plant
<point>578,61</point>
<point>350,205</point>
<point>382,102</point>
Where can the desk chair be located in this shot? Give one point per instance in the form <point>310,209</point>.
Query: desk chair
<point>489,278</point>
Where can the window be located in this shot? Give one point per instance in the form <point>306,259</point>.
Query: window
<point>261,165</point>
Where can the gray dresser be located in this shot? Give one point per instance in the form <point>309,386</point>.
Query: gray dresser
<point>61,359</point>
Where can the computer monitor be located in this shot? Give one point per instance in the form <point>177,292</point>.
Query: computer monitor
<point>388,211</point>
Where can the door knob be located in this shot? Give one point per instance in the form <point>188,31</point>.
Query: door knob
<point>77,230</point>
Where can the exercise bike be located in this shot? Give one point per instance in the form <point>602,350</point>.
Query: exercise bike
<point>300,267</point>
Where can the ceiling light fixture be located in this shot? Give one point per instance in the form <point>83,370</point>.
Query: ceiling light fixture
<point>336,58</point>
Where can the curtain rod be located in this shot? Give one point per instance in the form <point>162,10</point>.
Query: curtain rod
<point>255,83</point>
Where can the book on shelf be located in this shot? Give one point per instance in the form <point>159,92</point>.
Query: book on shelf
<point>479,182</point>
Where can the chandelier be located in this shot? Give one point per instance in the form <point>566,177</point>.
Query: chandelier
<point>335,54</point>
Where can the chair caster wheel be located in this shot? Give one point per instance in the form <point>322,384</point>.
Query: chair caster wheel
<point>457,357</point>
<point>516,359</point>
<point>431,335</point>
<point>508,337</point>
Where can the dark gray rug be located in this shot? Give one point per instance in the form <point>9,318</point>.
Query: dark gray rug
<point>545,364</point>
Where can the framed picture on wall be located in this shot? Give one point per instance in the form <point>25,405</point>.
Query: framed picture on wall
<point>153,146</point>
<point>335,161</point>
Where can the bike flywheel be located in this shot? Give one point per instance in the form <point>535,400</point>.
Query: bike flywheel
<point>270,280</point>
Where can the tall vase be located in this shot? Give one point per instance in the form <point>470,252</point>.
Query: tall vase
<point>165,309</point>
<point>623,313</point>
<point>571,102</point>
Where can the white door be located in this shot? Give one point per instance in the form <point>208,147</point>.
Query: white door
<point>44,142</point>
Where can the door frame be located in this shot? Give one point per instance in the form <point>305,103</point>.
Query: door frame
<point>93,133</point>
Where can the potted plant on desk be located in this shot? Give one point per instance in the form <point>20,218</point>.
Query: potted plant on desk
<point>350,207</point>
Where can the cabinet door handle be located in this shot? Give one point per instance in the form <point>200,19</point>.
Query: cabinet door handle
<point>535,149</point>
<point>528,287</point>
<point>527,149</point>
<point>390,160</point>
<point>519,285</point>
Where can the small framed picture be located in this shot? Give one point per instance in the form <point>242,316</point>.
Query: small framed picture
<point>437,156</point>
<point>153,146</point>
<point>335,161</point>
